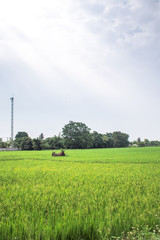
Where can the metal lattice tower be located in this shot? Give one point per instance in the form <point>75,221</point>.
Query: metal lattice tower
<point>12,105</point>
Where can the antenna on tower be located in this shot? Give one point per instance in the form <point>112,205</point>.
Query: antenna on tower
<point>12,108</point>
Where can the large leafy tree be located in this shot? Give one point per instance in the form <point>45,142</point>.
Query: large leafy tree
<point>109,140</point>
<point>117,139</point>
<point>37,144</point>
<point>21,134</point>
<point>76,135</point>
<point>120,139</point>
<point>26,143</point>
<point>97,139</point>
<point>19,140</point>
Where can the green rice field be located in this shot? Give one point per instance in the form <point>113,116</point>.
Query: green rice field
<point>87,194</point>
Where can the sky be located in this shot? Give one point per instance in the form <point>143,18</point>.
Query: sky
<point>90,61</point>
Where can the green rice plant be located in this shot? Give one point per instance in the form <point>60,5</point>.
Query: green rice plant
<point>88,194</point>
<point>105,155</point>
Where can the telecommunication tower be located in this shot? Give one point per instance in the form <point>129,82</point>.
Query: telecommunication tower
<point>12,108</point>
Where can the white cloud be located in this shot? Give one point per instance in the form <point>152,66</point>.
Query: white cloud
<point>102,50</point>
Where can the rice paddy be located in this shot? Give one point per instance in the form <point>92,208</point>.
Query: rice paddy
<point>88,194</point>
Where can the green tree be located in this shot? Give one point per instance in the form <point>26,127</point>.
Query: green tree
<point>146,142</point>
<point>21,134</point>
<point>56,142</point>
<point>109,140</point>
<point>141,144</point>
<point>120,139</point>
<point>117,139</point>
<point>97,140</point>
<point>26,143</point>
<point>41,136</point>
<point>37,144</point>
<point>138,140</point>
<point>2,145</point>
<point>45,144</point>
<point>19,140</point>
<point>155,143</point>
<point>76,135</point>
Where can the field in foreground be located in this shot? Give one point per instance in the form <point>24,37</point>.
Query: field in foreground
<point>88,194</point>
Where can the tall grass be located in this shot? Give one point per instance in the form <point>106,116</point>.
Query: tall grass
<point>89,194</point>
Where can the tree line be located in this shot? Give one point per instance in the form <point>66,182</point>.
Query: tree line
<point>76,135</point>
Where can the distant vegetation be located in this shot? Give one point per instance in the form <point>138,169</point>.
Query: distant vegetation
<point>76,135</point>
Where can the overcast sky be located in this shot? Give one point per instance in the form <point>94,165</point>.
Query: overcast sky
<point>90,61</point>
